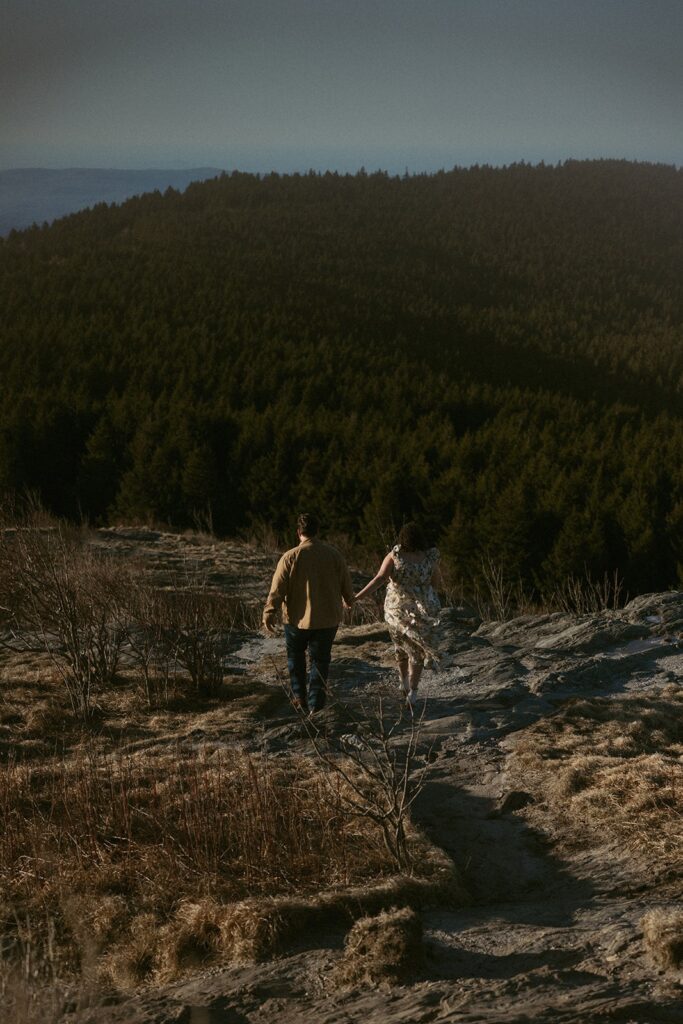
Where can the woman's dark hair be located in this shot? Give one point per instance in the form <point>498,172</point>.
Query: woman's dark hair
<point>411,537</point>
<point>307,523</point>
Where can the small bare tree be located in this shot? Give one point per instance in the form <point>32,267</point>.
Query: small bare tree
<point>199,624</point>
<point>500,599</point>
<point>149,640</point>
<point>58,596</point>
<point>378,758</point>
<point>584,595</point>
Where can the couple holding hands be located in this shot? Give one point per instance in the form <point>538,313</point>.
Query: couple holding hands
<point>312,584</point>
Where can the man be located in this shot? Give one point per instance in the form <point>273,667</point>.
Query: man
<point>310,584</point>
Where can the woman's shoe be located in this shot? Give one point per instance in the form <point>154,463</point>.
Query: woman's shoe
<point>412,698</point>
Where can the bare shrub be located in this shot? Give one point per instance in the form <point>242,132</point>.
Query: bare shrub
<point>263,537</point>
<point>198,623</point>
<point>202,520</point>
<point>364,613</point>
<point>387,948</point>
<point>377,761</point>
<point>584,595</point>
<point>188,626</point>
<point>243,615</point>
<point>58,596</point>
<point>497,597</point>
<point>149,639</point>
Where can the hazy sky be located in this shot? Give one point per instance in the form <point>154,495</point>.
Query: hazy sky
<point>293,84</point>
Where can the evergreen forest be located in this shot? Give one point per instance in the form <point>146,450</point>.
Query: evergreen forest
<point>496,351</point>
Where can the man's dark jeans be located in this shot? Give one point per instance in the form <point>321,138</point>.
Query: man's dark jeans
<point>318,642</point>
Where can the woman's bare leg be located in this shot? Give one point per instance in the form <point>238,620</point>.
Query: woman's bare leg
<point>415,673</point>
<point>404,671</point>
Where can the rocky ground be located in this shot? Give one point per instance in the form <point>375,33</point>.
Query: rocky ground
<point>553,928</point>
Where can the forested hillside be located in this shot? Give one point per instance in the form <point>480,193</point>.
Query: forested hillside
<point>498,350</point>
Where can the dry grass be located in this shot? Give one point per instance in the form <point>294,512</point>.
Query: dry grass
<point>611,769</point>
<point>228,822</point>
<point>146,867</point>
<point>385,949</point>
<point>260,928</point>
<point>37,722</point>
<point>141,871</point>
<point>663,936</point>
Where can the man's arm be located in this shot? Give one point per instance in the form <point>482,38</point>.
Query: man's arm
<point>277,595</point>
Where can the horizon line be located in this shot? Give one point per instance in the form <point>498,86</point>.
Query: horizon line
<point>362,168</point>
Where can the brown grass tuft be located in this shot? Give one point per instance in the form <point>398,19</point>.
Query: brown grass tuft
<point>663,936</point>
<point>611,769</point>
<point>193,939</point>
<point>386,949</point>
<point>133,960</point>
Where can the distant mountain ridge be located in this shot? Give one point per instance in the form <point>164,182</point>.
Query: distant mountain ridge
<point>34,195</point>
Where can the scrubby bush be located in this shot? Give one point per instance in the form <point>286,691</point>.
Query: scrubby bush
<point>58,595</point>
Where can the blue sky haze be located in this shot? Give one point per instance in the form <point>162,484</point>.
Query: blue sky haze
<point>295,84</point>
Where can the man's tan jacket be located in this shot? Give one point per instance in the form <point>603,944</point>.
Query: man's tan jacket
<point>309,584</point>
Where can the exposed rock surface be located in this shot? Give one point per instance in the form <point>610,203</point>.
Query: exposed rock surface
<point>233,567</point>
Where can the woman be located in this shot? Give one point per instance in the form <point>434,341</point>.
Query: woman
<point>411,606</point>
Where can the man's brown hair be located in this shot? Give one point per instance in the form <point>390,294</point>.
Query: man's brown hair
<point>307,524</point>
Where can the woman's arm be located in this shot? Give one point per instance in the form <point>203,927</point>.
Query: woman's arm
<point>386,571</point>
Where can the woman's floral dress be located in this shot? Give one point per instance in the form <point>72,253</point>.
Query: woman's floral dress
<point>411,607</point>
